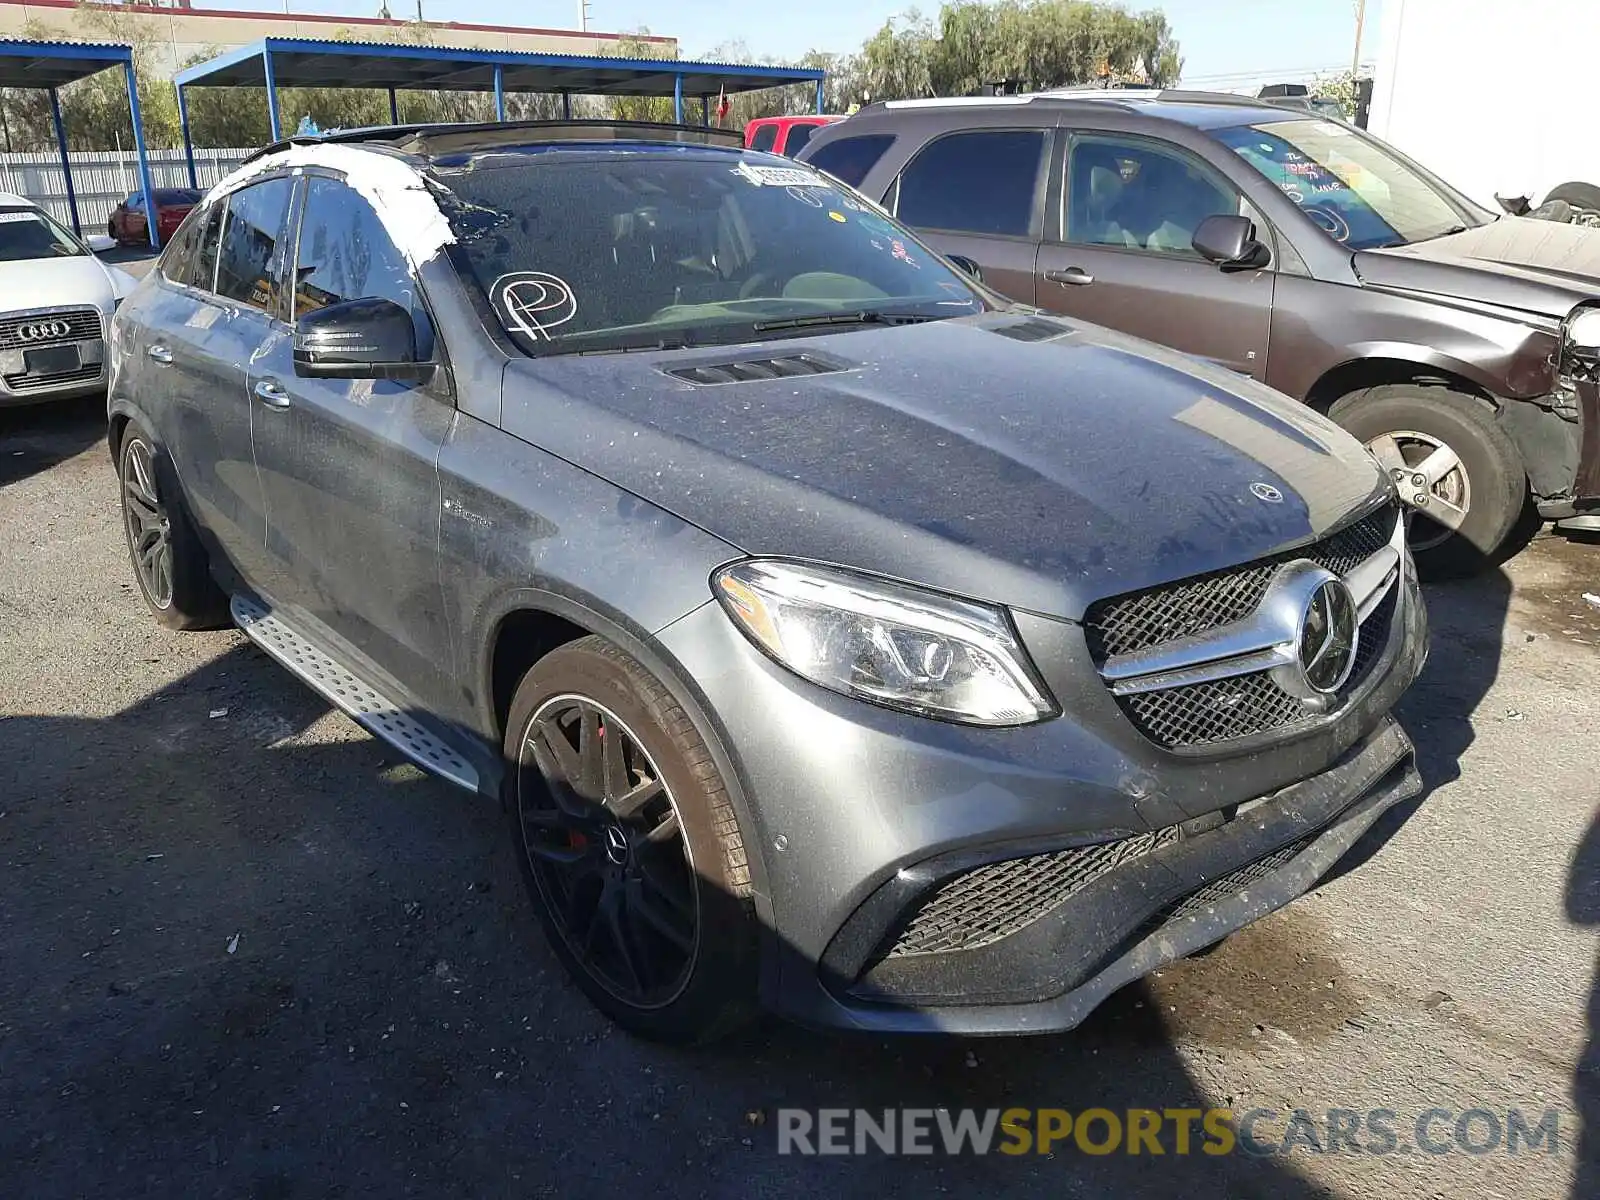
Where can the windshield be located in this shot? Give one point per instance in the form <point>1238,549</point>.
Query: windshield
<point>619,250</point>
<point>1360,192</point>
<point>29,233</point>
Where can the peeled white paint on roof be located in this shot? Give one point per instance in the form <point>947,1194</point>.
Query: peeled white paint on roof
<point>397,192</point>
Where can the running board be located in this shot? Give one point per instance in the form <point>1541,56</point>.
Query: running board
<point>372,711</point>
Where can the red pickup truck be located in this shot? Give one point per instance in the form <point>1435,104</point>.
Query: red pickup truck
<point>783,135</point>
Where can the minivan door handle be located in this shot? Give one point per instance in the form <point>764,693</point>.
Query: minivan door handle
<point>160,354</point>
<point>1071,277</point>
<point>271,394</point>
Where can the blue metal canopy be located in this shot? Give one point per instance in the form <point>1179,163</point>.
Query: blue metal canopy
<point>296,62</point>
<point>51,66</point>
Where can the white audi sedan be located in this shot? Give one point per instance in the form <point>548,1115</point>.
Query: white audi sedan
<point>56,301</point>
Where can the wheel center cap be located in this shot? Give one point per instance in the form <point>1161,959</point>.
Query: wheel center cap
<point>616,844</point>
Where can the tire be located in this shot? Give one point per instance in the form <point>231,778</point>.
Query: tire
<point>182,595</point>
<point>1583,196</point>
<point>1491,470</point>
<point>700,987</point>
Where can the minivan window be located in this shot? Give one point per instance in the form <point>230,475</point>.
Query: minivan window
<point>765,137</point>
<point>851,158</point>
<point>578,250</point>
<point>979,182</point>
<point>250,269</point>
<point>1353,186</point>
<point>1140,195</point>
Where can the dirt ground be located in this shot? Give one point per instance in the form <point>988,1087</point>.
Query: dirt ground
<point>246,952</point>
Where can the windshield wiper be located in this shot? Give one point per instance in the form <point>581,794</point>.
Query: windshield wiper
<point>864,317</point>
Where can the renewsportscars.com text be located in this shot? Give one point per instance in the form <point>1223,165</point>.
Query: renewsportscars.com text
<point>1215,1131</point>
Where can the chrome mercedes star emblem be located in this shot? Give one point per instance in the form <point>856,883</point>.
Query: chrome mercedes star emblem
<point>1328,632</point>
<point>1265,491</point>
<point>616,844</point>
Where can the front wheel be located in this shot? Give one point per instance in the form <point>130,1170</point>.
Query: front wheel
<point>1454,466</point>
<point>630,845</point>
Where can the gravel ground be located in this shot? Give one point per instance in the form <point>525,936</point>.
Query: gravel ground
<point>248,952</point>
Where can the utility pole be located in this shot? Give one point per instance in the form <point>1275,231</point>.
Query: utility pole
<point>1361,19</point>
<point>583,15</point>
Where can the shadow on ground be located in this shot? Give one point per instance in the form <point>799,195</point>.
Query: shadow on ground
<point>35,437</point>
<point>248,955</point>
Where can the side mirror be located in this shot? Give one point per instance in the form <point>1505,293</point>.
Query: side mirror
<point>99,243</point>
<point>371,338</point>
<point>1230,242</point>
<point>966,266</point>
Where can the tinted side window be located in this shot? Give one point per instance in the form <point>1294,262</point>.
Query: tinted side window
<point>764,138</point>
<point>981,182</point>
<point>850,158</point>
<point>799,135</point>
<point>191,257</point>
<point>251,268</point>
<point>1140,195</point>
<point>345,253</point>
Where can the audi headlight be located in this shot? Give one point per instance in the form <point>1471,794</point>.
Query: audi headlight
<point>888,643</point>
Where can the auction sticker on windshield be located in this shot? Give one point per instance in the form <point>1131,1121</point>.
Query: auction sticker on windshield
<point>780,176</point>
<point>15,218</point>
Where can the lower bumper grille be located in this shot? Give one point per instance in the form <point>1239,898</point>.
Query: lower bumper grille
<point>994,901</point>
<point>22,384</point>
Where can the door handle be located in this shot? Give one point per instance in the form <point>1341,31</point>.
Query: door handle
<point>1071,277</point>
<point>271,394</point>
<point>160,354</point>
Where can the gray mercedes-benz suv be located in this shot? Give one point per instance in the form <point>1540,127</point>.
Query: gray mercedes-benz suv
<point>837,634</point>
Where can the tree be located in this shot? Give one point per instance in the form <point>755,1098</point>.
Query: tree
<point>1340,87</point>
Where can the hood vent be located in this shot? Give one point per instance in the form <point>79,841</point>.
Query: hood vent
<point>1033,329</point>
<point>747,370</point>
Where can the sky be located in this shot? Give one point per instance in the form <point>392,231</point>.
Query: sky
<point>1224,42</point>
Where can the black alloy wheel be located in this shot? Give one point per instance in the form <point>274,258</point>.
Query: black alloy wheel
<point>606,848</point>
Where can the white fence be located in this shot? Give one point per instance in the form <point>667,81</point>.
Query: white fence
<point>102,180</point>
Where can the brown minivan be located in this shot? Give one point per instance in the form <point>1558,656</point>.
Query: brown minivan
<point>1462,346</point>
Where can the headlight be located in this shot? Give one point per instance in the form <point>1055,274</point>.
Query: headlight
<point>1583,330</point>
<point>887,643</point>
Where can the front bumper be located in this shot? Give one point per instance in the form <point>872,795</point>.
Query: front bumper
<point>853,815</point>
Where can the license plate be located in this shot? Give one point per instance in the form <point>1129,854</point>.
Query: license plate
<point>51,360</point>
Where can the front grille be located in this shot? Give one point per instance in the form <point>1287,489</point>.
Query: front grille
<point>1206,715</point>
<point>83,324</point>
<point>995,901</point>
<point>39,383</point>
<point>1140,620</point>
<point>1232,884</point>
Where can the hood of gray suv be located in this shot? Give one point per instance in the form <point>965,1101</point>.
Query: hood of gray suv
<point>1042,471</point>
<point>1538,267</point>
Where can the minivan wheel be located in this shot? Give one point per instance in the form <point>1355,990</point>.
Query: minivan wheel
<point>1454,466</point>
<point>630,845</point>
<point>169,562</point>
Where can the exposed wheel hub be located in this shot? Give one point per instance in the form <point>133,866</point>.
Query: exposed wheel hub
<point>1431,479</point>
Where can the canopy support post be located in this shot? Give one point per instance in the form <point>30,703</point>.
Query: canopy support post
<point>566,106</point>
<point>188,137</point>
<point>152,220</point>
<point>394,108</point>
<point>272,96</point>
<point>66,159</point>
<point>499,94</point>
<point>677,99</point>
<point>819,97</point>
<point>705,111</point>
